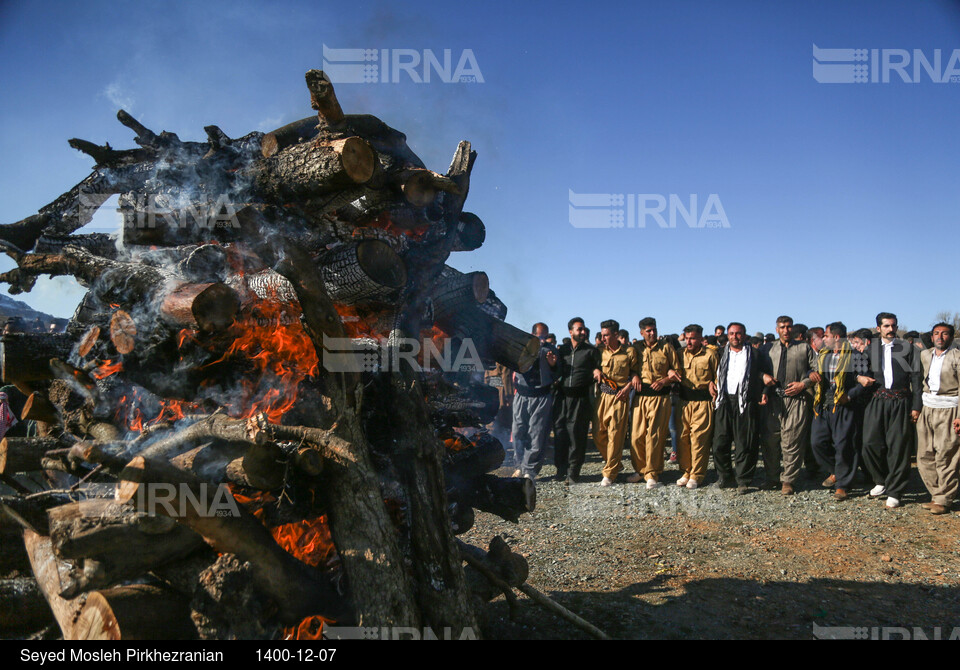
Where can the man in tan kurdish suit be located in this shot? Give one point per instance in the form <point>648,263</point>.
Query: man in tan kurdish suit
<point>697,393</point>
<point>938,429</point>
<point>618,366</point>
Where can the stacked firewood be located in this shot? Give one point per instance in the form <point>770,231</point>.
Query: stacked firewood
<point>199,467</point>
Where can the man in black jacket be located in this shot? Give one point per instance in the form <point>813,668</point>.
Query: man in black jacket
<point>740,390</point>
<point>888,422</point>
<point>576,363</point>
<point>841,377</point>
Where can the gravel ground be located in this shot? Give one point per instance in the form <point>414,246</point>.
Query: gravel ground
<point>673,563</point>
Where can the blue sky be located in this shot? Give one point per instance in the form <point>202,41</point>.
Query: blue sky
<point>841,199</point>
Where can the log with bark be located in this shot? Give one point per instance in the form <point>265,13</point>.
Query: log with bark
<point>109,543</point>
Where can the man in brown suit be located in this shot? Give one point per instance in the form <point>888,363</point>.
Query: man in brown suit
<point>618,366</point>
<point>659,369</point>
<point>698,391</point>
<point>788,412</point>
<point>938,429</point>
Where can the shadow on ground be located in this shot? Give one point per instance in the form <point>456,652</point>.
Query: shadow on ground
<point>742,609</point>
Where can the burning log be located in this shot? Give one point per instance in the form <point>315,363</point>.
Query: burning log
<point>109,543</point>
<point>107,454</point>
<point>507,498</point>
<point>361,272</point>
<point>465,465</point>
<point>25,357</point>
<point>23,454</point>
<point>495,339</point>
<point>205,263</point>
<point>99,244</point>
<point>39,408</point>
<point>206,307</point>
<point>259,466</point>
<point>213,427</point>
<point>297,590</point>
<point>311,169</point>
<point>470,233</point>
<point>123,332</point>
<point>420,187</point>
<point>457,291</point>
<point>288,135</point>
<point>352,274</point>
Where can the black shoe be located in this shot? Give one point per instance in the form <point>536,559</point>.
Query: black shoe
<point>743,490</point>
<point>726,485</point>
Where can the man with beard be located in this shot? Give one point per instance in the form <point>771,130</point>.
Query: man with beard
<point>888,430</point>
<point>788,412</point>
<point>739,394</point>
<point>618,366</point>
<point>697,392</point>
<point>938,430</point>
<point>577,363</point>
<point>659,369</point>
<point>839,381</point>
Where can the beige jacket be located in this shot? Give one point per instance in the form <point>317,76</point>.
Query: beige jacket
<point>949,374</point>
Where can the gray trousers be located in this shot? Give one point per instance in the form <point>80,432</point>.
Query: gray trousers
<point>785,432</point>
<point>532,420</point>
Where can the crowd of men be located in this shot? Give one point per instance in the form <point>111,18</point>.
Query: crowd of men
<point>803,398</point>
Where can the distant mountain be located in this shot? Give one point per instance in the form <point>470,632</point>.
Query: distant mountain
<point>17,308</point>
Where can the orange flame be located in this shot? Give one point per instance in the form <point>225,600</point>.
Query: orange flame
<point>308,540</point>
<point>106,369</point>
<point>173,410</point>
<point>310,628</point>
<point>272,339</point>
<point>384,222</point>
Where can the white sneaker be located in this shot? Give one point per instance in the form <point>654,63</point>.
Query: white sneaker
<point>682,481</point>
<point>878,491</point>
<point>692,484</point>
<point>653,484</point>
<point>606,482</point>
<point>893,502</point>
<point>634,478</point>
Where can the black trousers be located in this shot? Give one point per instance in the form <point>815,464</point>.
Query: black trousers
<point>571,424</point>
<point>743,430</point>
<point>834,442</point>
<point>888,437</point>
<point>858,413</point>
